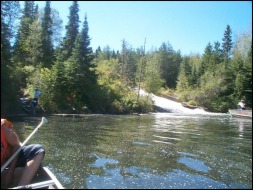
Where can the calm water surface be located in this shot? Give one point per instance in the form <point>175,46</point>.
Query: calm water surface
<point>162,150</point>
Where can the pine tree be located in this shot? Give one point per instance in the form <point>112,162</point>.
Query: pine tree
<point>128,66</point>
<point>79,71</point>
<point>89,77</point>
<point>24,31</point>
<point>32,46</point>
<point>86,50</point>
<point>98,50</point>
<point>47,32</point>
<point>217,53</point>
<point>152,77</point>
<point>71,29</point>
<point>227,44</point>
<point>207,58</point>
<point>169,62</point>
<point>183,78</point>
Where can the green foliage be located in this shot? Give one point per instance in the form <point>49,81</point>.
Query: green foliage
<point>71,29</point>
<point>183,83</point>
<point>10,11</point>
<point>73,79</point>
<point>227,44</point>
<point>128,104</point>
<point>32,45</point>
<point>143,105</point>
<point>56,27</point>
<point>192,102</point>
<point>242,65</point>
<point>221,104</point>
<point>21,47</point>
<point>152,77</point>
<point>46,36</point>
<point>128,65</point>
<point>218,80</point>
<point>167,91</point>
<point>169,64</point>
<point>120,99</point>
<point>9,92</point>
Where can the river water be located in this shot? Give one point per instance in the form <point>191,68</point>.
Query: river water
<point>161,150</point>
<point>182,149</point>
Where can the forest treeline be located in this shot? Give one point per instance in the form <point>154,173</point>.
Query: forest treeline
<point>74,77</point>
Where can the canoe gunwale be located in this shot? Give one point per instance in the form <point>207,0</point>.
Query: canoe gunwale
<point>43,177</point>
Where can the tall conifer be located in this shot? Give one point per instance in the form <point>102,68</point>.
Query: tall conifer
<point>71,29</point>
<point>24,31</point>
<point>227,44</point>
<point>47,32</point>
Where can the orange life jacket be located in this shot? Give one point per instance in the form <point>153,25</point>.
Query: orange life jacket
<point>5,152</point>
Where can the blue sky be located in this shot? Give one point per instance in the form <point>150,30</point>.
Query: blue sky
<point>187,25</point>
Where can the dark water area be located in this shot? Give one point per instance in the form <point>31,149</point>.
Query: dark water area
<point>161,150</point>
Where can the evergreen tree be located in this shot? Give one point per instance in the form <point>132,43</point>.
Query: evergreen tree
<point>243,80</point>
<point>89,77</point>
<point>114,54</point>
<point>98,50</point>
<point>131,67</point>
<point>207,58</point>
<point>47,32</point>
<point>24,31</point>
<point>80,73</point>
<point>10,11</point>
<point>123,62</point>
<point>248,81</point>
<point>107,52</point>
<point>195,63</point>
<point>27,49</point>
<point>227,44</point>
<point>183,78</point>
<point>169,62</point>
<point>9,89</point>
<point>86,50</point>
<point>217,53</point>
<point>152,77</point>
<point>128,65</point>
<point>77,77</point>
<point>71,29</point>
<point>32,45</point>
<point>59,84</point>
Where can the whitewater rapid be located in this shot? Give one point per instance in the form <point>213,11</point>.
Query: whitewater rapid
<point>175,107</point>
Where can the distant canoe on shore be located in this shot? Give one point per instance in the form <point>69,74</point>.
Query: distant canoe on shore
<point>240,113</point>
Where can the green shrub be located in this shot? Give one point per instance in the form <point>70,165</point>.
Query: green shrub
<point>192,102</point>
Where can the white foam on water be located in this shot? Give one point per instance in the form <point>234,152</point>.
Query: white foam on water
<point>175,107</point>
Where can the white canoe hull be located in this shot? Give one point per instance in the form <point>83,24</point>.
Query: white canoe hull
<point>241,113</point>
<point>43,179</point>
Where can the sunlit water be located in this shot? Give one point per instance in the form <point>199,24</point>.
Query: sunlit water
<point>183,149</point>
